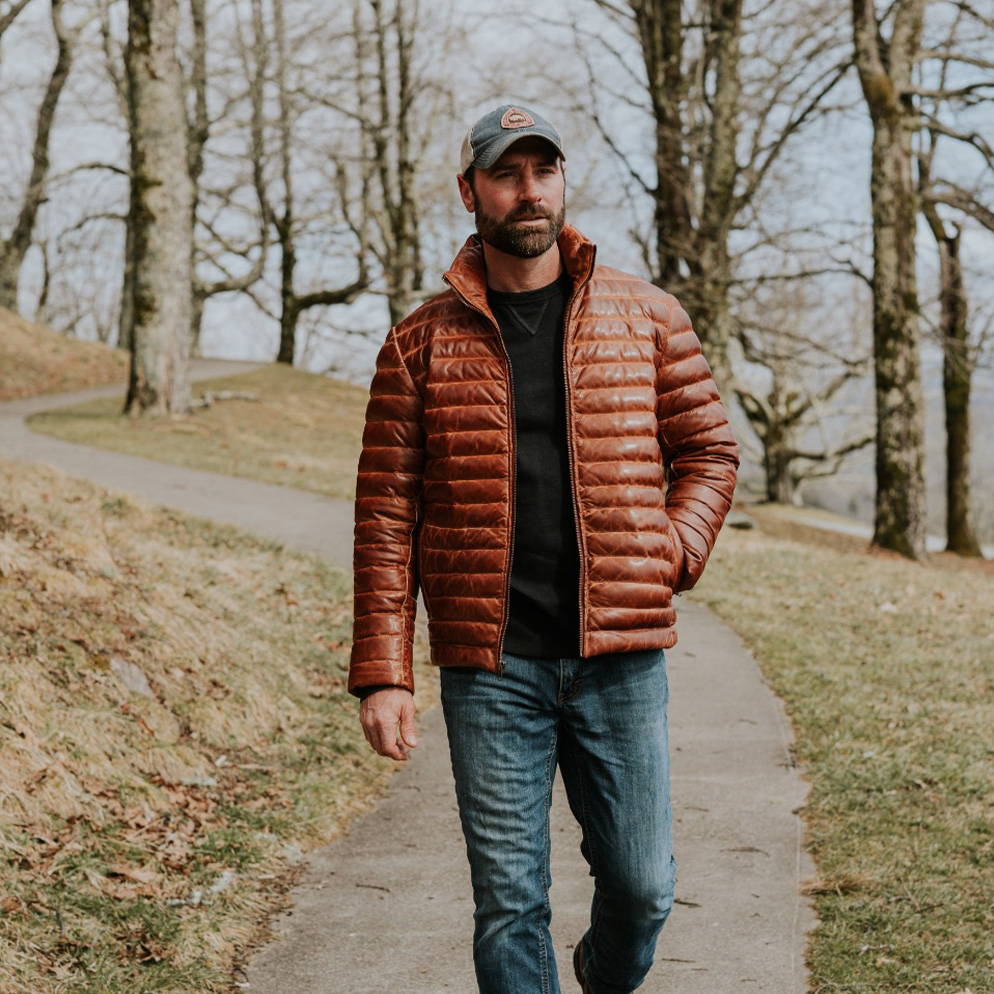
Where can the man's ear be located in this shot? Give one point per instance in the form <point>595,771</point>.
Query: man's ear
<point>466,193</point>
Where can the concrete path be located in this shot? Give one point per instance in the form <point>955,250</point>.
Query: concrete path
<point>301,519</point>
<point>387,907</point>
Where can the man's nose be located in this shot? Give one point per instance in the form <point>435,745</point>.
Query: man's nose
<point>529,191</point>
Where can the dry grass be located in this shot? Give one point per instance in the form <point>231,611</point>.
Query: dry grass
<point>304,431</point>
<point>175,731</point>
<point>887,669</point>
<point>34,360</point>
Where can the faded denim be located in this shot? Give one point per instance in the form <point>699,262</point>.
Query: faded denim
<point>602,721</point>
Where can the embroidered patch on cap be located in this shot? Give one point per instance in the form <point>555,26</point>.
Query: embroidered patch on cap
<point>516,118</point>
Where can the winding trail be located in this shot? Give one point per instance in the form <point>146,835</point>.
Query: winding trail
<point>387,907</point>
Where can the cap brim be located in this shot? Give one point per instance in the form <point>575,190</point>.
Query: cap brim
<point>500,145</point>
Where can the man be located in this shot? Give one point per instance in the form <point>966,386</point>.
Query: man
<point>521,431</point>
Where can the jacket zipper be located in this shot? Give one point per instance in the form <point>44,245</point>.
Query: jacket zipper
<point>514,473</point>
<point>571,458</point>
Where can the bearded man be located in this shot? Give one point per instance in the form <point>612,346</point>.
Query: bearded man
<point>546,457</point>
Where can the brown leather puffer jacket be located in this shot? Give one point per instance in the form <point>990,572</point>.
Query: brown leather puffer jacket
<point>434,496</point>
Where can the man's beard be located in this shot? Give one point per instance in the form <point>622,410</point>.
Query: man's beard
<point>523,241</point>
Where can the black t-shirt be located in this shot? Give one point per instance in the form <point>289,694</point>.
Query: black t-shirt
<point>545,569</point>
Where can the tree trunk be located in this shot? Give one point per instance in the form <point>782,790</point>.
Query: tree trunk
<point>885,77</point>
<point>288,298</point>
<point>692,261</point>
<point>660,31</point>
<point>705,298</point>
<point>285,232</point>
<point>198,131</point>
<point>718,211</point>
<point>777,457</point>
<point>196,317</point>
<point>161,211</point>
<point>126,315</point>
<point>957,371</point>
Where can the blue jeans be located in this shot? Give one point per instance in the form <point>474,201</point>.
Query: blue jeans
<point>602,720</point>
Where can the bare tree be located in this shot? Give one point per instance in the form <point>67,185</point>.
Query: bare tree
<point>386,90</point>
<point>161,212</point>
<point>15,246</point>
<point>789,385</point>
<point>717,131</point>
<point>212,248</point>
<point>945,108</point>
<point>292,302</point>
<point>957,372</point>
<point>780,417</point>
<point>885,67</point>
<point>391,102</point>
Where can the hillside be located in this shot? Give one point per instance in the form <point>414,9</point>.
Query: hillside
<point>34,359</point>
<point>175,731</point>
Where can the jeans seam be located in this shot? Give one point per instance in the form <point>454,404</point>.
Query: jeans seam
<point>564,695</point>
<point>547,868</point>
<point>595,862</point>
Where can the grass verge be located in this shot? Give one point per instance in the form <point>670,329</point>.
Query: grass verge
<point>304,430</point>
<point>887,670</point>
<point>175,733</point>
<point>35,360</point>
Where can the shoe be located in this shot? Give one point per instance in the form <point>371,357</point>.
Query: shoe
<point>579,962</point>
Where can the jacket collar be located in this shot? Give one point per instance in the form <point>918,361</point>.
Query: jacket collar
<point>468,273</point>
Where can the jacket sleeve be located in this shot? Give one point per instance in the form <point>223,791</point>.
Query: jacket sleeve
<point>699,452</point>
<point>388,492</point>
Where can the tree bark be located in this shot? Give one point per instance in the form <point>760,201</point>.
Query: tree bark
<point>885,73</point>
<point>957,375</point>
<point>160,212</point>
<point>198,131</point>
<point>659,24</point>
<point>285,222</point>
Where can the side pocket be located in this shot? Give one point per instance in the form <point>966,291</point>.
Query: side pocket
<point>681,556</point>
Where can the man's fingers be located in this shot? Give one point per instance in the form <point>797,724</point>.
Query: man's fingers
<point>389,746</point>
<point>407,730</point>
<point>380,714</point>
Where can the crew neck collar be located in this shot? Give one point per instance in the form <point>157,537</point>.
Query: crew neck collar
<point>549,290</point>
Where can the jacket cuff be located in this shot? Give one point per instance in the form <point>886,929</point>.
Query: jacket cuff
<point>363,692</point>
<point>368,677</point>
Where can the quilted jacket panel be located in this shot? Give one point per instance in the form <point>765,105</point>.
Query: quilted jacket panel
<point>653,461</point>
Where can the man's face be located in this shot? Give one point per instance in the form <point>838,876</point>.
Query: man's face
<point>520,201</point>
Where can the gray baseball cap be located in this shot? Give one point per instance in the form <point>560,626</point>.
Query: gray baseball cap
<point>487,140</point>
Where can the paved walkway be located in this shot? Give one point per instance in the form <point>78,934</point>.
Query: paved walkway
<point>301,519</point>
<point>387,907</point>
